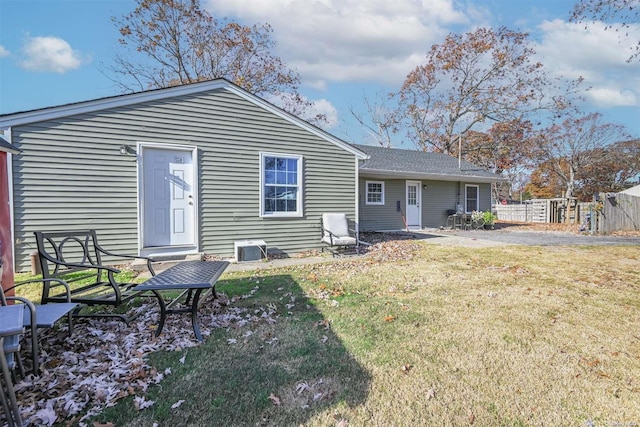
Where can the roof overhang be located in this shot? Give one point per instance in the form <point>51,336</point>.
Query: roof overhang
<point>52,113</point>
<point>8,147</point>
<point>387,174</point>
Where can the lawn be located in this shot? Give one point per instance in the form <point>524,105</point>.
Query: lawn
<point>500,336</point>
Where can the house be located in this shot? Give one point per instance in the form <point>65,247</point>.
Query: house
<point>199,167</point>
<point>406,189</point>
<point>632,191</point>
<point>177,171</point>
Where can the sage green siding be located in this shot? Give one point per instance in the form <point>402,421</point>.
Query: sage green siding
<point>382,217</point>
<point>72,176</point>
<point>437,198</point>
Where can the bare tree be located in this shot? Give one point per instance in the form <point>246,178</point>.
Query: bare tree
<point>173,42</point>
<point>379,121</point>
<point>618,168</point>
<point>618,15</point>
<point>577,144</point>
<point>484,75</point>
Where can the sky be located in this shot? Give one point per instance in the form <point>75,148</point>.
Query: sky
<point>54,52</point>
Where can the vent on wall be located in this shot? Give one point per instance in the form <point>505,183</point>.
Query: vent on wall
<point>250,250</point>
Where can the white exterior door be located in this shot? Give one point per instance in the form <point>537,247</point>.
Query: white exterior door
<point>414,216</point>
<point>168,197</point>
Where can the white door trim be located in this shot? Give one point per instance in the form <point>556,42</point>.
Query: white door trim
<point>176,249</point>
<point>418,185</point>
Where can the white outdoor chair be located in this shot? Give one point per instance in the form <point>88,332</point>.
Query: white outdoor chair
<point>337,234</point>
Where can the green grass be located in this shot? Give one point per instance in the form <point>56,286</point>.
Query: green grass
<point>33,291</point>
<point>511,336</point>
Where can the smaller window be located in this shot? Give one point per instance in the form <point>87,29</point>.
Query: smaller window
<point>375,193</point>
<point>471,198</point>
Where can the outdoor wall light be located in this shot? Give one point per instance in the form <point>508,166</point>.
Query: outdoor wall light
<point>425,187</point>
<point>126,149</point>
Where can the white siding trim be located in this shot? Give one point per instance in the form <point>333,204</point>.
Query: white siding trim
<point>12,231</point>
<point>299,213</point>
<point>366,193</point>
<point>477,187</point>
<point>196,200</point>
<point>356,179</point>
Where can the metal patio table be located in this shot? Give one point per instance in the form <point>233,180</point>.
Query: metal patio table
<point>193,277</point>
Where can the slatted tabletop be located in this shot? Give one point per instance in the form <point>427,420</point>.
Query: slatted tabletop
<point>186,275</point>
<point>193,278</point>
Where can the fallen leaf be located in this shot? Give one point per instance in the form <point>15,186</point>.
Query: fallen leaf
<point>275,399</point>
<point>431,393</point>
<point>324,323</point>
<point>47,415</point>
<point>177,404</point>
<point>140,403</point>
<point>405,368</point>
<point>301,387</point>
<point>389,318</point>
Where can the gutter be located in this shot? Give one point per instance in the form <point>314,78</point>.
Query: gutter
<point>381,173</point>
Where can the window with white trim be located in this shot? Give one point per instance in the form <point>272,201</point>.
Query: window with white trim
<point>375,192</point>
<point>281,185</point>
<point>471,198</point>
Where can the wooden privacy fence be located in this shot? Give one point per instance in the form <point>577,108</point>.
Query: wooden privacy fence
<point>618,212</point>
<point>526,212</point>
<point>540,210</point>
<point>614,212</point>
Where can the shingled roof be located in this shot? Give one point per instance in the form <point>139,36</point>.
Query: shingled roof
<point>394,162</point>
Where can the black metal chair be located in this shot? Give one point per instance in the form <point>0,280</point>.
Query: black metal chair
<point>75,257</point>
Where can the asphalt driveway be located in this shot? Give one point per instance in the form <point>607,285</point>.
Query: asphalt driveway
<point>544,238</point>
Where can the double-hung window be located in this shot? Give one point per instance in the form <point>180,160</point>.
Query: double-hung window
<point>375,192</point>
<point>471,198</point>
<point>281,185</point>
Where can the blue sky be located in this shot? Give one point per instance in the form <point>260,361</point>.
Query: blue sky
<point>54,52</point>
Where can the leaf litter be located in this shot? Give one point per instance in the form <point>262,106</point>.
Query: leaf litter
<point>104,361</point>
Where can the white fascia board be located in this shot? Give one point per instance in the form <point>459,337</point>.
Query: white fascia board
<point>382,174</point>
<point>82,107</point>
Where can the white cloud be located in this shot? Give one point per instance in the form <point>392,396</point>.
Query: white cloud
<point>3,52</point>
<point>614,96</point>
<point>326,108</point>
<point>320,107</point>
<point>348,40</point>
<point>379,42</point>
<point>596,54</point>
<point>51,54</point>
